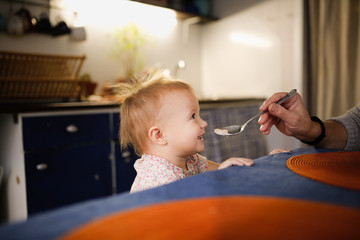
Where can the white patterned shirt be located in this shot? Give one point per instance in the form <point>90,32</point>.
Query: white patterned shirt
<point>153,171</point>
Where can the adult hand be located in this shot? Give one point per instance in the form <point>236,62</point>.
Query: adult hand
<point>291,118</point>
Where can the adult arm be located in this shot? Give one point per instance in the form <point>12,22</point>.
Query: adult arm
<point>351,122</point>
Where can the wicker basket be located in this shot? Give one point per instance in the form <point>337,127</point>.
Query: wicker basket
<point>39,76</point>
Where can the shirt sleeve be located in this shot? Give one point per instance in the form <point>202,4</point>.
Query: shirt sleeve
<point>351,122</point>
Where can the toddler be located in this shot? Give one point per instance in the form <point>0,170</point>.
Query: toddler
<point>160,119</point>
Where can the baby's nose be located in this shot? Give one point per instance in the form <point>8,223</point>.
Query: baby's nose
<point>204,123</point>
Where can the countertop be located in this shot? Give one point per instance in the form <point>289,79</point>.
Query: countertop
<point>15,107</point>
<point>22,107</point>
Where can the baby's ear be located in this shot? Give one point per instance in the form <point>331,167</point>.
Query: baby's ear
<point>157,136</point>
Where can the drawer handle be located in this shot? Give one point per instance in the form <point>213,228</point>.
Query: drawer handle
<point>41,166</point>
<point>72,128</point>
<point>125,154</point>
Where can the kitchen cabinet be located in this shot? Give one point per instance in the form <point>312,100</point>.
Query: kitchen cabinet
<point>66,157</point>
<point>124,160</point>
<point>57,177</point>
<point>125,172</point>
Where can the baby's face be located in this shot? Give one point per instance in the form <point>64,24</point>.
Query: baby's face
<point>181,123</point>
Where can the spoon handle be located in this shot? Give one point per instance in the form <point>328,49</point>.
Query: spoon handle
<point>289,95</point>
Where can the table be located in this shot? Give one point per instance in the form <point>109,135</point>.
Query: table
<point>268,177</point>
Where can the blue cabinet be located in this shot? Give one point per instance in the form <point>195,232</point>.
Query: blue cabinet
<point>125,172</point>
<point>60,176</point>
<point>74,157</point>
<point>124,160</point>
<point>65,130</point>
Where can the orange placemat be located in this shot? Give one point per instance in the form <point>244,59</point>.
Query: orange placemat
<point>340,169</point>
<point>227,218</point>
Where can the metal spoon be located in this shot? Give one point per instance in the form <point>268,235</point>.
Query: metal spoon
<point>236,129</point>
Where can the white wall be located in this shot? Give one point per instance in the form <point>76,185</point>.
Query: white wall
<point>13,205</point>
<point>254,51</point>
<point>265,56</point>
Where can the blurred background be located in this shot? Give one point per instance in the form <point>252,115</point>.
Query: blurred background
<point>224,49</point>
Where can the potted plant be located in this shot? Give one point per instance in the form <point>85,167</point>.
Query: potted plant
<point>129,40</point>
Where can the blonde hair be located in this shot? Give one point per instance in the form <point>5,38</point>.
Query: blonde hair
<point>140,108</point>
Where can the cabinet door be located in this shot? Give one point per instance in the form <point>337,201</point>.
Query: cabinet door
<point>124,160</point>
<point>59,176</point>
<point>65,130</point>
<point>125,172</point>
<point>116,126</point>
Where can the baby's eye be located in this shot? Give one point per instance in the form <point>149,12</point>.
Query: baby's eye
<point>193,116</point>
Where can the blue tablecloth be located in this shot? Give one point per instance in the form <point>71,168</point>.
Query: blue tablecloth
<point>269,176</point>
